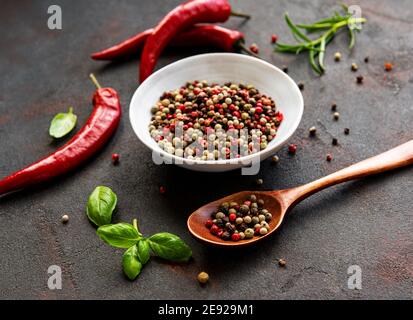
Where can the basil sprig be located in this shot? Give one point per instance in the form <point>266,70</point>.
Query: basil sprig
<point>100,205</point>
<point>62,124</point>
<point>165,245</point>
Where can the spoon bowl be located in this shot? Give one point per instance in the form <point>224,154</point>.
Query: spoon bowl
<point>196,221</point>
<point>278,203</point>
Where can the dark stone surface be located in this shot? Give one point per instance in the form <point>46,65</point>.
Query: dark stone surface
<point>366,223</point>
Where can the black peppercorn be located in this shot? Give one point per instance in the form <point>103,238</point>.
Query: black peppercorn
<point>285,69</point>
<point>360,79</point>
<point>301,86</point>
<point>366,59</point>
<point>335,141</point>
<point>346,130</point>
<point>226,236</point>
<point>333,107</point>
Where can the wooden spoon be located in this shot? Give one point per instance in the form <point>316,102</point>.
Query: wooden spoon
<point>280,202</point>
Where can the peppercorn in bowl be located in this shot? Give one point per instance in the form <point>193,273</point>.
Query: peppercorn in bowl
<point>216,112</point>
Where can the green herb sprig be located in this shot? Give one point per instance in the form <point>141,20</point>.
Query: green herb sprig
<point>316,48</point>
<point>165,245</point>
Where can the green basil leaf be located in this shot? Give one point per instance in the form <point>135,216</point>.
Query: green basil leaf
<point>169,246</point>
<point>131,264</point>
<point>120,235</point>
<point>62,124</point>
<point>143,251</point>
<point>100,205</point>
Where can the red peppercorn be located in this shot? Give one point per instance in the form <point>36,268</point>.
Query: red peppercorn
<point>208,223</point>
<point>214,229</point>
<point>162,190</point>
<point>329,157</point>
<point>254,48</point>
<point>220,232</point>
<point>248,203</point>
<point>115,158</point>
<point>232,217</point>
<point>388,66</point>
<point>274,38</point>
<point>257,231</point>
<point>235,237</point>
<point>292,148</point>
<point>258,110</point>
<point>194,114</point>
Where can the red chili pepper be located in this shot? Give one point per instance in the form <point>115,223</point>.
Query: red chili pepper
<point>200,35</point>
<point>176,21</point>
<point>100,126</point>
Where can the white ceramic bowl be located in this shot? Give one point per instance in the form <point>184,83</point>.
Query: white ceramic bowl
<point>219,68</point>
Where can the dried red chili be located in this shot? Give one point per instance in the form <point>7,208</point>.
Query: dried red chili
<point>176,21</point>
<point>100,126</point>
<point>201,35</point>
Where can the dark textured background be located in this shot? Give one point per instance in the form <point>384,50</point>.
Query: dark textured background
<point>368,222</point>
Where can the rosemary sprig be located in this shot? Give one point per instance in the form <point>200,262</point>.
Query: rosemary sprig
<point>328,28</point>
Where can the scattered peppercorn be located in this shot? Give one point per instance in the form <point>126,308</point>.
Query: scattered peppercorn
<point>115,158</point>
<point>366,59</point>
<point>335,142</point>
<point>285,69</point>
<point>203,277</point>
<point>292,148</point>
<point>388,66</point>
<point>162,190</point>
<point>234,119</point>
<point>275,159</point>
<point>329,157</point>
<point>250,218</point>
<point>274,38</point>
<point>312,131</point>
<point>360,79</point>
<point>333,106</point>
<point>282,262</point>
<point>354,66</point>
<point>260,182</point>
<point>346,130</point>
<point>337,56</point>
<point>336,115</point>
<point>65,218</point>
<point>301,86</point>
<point>254,48</point>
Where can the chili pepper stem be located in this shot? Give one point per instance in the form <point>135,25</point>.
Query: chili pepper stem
<point>95,81</point>
<point>240,15</point>
<point>244,48</point>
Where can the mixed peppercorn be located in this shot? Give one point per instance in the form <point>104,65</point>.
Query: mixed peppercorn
<point>204,121</point>
<point>234,221</point>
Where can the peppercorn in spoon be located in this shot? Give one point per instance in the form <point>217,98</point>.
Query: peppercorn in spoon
<point>279,202</point>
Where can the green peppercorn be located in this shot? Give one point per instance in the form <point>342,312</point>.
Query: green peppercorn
<point>260,182</point>
<point>260,203</point>
<point>232,210</point>
<point>263,231</point>
<point>247,219</point>
<point>261,217</point>
<point>255,220</point>
<point>239,220</point>
<point>233,204</point>
<point>268,216</point>
<point>249,233</point>
<point>253,197</point>
<point>242,235</point>
<point>244,209</point>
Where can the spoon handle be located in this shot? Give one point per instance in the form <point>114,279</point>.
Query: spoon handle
<point>394,158</point>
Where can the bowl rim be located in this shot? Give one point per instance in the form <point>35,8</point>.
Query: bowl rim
<point>241,160</point>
